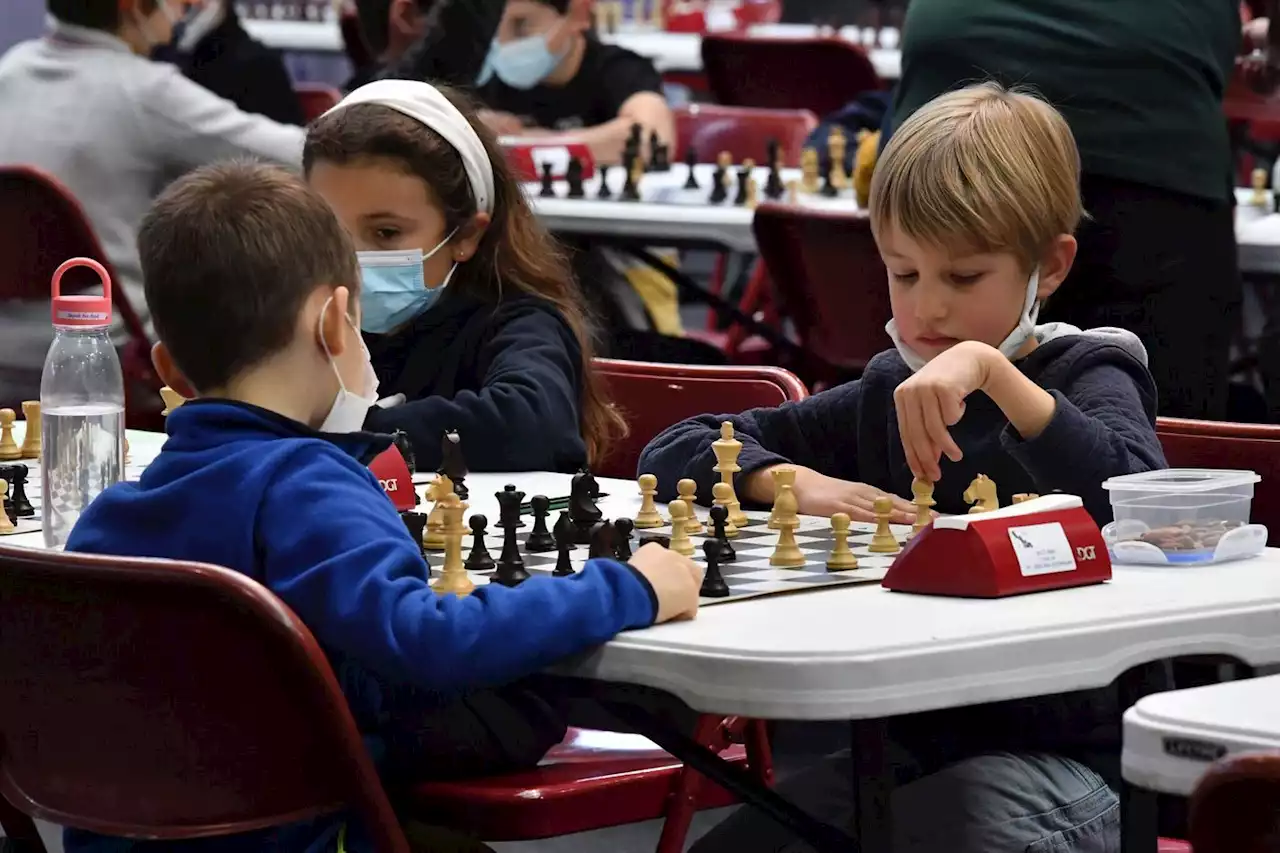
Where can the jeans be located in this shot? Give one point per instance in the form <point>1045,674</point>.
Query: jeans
<point>993,803</point>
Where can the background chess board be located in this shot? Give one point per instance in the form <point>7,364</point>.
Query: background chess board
<point>750,576</point>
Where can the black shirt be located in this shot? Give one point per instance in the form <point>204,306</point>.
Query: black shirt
<point>453,47</point>
<point>608,77</point>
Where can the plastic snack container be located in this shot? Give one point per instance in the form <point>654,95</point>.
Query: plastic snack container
<point>1183,516</point>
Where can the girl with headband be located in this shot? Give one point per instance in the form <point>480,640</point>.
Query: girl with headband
<point>468,307</point>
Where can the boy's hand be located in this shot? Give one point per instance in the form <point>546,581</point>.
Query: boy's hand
<point>676,580</point>
<point>818,494</point>
<point>933,400</point>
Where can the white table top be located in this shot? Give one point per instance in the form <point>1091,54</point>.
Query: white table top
<point>1171,738</point>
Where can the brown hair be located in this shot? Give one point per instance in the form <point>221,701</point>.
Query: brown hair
<point>983,169</point>
<point>230,252</point>
<point>515,250</point>
<point>95,14</point>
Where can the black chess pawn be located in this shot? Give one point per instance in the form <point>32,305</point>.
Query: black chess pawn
<point>604,191</point>
<point>772,152</point>
<point>400,439</point>
<point>415,523</point>
<point>624,528</point>
<point>719,521</point>
<point>18,493</point>
<point>655,539</point>
<point>744,179</point>
<point>540,538</point>
<point>719,186</point>
<point>564,536</point>
<point>630,189</point>
<point>713,585</point>
<point>636,137</point>
<point>452,463</point>
<point>655,152</point>
<point>829,189</point>
<point>548,181</point>
<point>479,560</point>
<point>574,176</point>
<point>691,164</point>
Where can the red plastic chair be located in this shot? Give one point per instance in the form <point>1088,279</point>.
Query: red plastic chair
<point>744,132</point>
<point>165,700</point>
<point>316,99</point>
<point>653,397</point>
<point>816,74</point>
<point>1222,444</point>
<point>830,283</point>
<point>1235,807</point>
<point>41,225</point>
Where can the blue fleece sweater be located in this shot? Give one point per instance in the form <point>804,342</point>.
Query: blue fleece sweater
<point>299,512</point>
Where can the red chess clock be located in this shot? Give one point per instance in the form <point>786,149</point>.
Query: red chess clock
<point>526,156</point>
<point>1044,543</point>
<point>394,477</point>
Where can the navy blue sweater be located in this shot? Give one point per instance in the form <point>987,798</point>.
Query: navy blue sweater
<point>508,377</point>
<point>299,512</point>
<point>1103,427</point>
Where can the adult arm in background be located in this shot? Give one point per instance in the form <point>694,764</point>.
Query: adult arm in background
<point>454,44</point>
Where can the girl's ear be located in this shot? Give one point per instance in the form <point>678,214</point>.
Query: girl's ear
<point>1055,264</point>
<point>469,236</point>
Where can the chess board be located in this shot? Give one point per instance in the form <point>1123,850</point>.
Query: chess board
<point>750,576</point>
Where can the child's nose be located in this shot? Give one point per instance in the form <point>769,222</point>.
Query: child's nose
<point>931,303</point>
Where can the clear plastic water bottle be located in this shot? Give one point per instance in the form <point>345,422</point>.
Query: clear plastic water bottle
<point>82,406</point>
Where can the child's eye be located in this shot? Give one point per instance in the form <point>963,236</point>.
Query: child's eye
<point>905,277</point>
<point>385,234</point>
<point>964,279</point>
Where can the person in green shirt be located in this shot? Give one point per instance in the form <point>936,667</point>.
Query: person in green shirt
<point>1141,85</point>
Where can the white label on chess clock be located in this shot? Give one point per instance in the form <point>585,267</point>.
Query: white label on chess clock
<point>1042,549</point>
<point>557,156</point>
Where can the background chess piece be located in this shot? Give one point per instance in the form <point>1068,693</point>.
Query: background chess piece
<point>648,517</point>
<point>713,585</point>
<point>982,495</point>
<point>453,575</point>
<point>723,495</point>
<point>781,477</point>
<point>9,449</point>
<point>810,170</point>
<point>688,491</point>
<point>922,492</point>
<point>883,542</point>
<point>680,541</point>
<point>842,557</point>
<point>452,463</point>
<point>172,400</point>
<point>787,554</point>
<point>540,539</point>
<point>6,525</point>
<point>31,441</point>
<point>479,560</point>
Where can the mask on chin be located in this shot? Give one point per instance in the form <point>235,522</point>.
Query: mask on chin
<point>1009,347</point>
<point>349,408</point>
<point>524,63</point>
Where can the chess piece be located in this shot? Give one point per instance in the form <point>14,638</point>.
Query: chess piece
<point>810,169</point>
<point>573,174</point>
<point>793,192</point>
<point>655,152</point>
<point>631,189</point>
<point>664,541</point>
<point>727,449</point>
<point>511,571</point>
<point>400,439</point>
<point>713,585</point>
<point>172,400</point>
<point>604,192</point>
<point>719,527</point>
<point>452,463</point>
<point>479,560</point>
<point>8,447</point>
<point>416,524</point>
<point>649,517</point>
<point>453,574</point>
<point>842,556</point>
<point>982,495</point>
<point>635,137</point>
<point>781,477</point>
<point>691,165</point>
<point>883,541</point>
<point>510,501</point>
<point>787,554</point>
<point>774,189</point>
<point>753,195</point>
<point>680,541</point>
<point>744,181</point>
<point>922,492</point>
<point>548,182</point>
<point>564,535</point>
<point>1259,198</point>
<point>582,506</point>
<point>31,444</point>
<point>1023,498</point>
<point>6,525</point>
<point>837,150</point>
<point>436,491</point>
<point>829,189</point>
<point>688,492</point>
<point>22,507</point>
<point>723,494</point>
<point>624,528</point>
<point>540,538</point>
<point>604,541</point>
<point>720,183</point>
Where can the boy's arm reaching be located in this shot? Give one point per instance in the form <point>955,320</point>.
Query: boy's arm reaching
<point>333,548</point>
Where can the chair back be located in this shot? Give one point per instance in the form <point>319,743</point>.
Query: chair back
<point>653,397</point>
<point>1222,444</point>
<point>816,74</point>
<point>830,283</point>
<point>745,132</point>
<point>316,99</point>
<point>157,699</point>
<point>1234,808</point>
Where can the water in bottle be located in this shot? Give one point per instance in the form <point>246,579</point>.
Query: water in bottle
<point>82,401</point>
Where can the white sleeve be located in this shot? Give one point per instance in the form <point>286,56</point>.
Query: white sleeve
<point>190,126</point>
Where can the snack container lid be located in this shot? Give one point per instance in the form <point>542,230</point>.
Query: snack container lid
<point>1182,480</point>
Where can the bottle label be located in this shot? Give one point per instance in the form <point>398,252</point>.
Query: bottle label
<point>85,316</point>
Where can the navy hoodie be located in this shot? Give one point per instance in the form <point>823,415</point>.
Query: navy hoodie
<point>299,512</point>
<point>1104,426</point>
<point>507,376</point>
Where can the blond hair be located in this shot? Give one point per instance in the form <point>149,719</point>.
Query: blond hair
<point>981,169</point>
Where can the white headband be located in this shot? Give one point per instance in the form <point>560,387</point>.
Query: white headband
<point>423,102</point>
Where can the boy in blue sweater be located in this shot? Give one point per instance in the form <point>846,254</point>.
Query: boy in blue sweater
<point>973,206</point>
<point>254,289</point>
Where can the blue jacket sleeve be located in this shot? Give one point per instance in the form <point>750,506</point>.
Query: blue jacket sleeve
<point>334,550</point>
<point>524,418</point>
<point>1100,429</point>
<point>819,433</point>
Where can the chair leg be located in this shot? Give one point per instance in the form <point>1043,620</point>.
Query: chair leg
<point>682,802</point>
<point>759,754</point>
<point>718,272</point>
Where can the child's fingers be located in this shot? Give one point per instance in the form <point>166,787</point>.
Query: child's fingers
<point>908,411</point>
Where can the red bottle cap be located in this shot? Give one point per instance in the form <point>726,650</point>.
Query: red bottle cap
<point>84,310</point>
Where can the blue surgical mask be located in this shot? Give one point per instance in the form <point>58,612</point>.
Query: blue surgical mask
<point>393,289</point>
<point>486,70</point>
<point>524,63</point>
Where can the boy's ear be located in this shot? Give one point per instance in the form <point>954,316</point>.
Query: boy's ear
<point>468,239</point>
<point>405,18</point>
<point>331,329</point>
<point>1055,264</point>
<point>170,375</point>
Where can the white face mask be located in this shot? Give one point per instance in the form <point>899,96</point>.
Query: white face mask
<point>1009,346</point>
<point>348,411</point>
